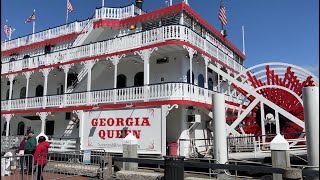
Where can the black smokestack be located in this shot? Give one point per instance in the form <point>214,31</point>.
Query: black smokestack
<point>139,3</point>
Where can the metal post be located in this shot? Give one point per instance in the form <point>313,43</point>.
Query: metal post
<point>220,133</point>
<point>311,119</point>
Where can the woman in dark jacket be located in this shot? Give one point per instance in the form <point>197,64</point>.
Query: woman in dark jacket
<point>40,156</point>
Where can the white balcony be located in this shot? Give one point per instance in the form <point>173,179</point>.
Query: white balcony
<point>117,13</point>
<point>166,91</point>
<point>44,35</point>
<point>165,33</point>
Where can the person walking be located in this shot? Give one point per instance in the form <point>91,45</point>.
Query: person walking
<point>29,149</point>
<point>40,156</point>
<point>21,152</point>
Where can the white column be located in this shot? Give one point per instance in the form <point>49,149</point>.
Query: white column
<point>115,61</point>
<point>89,65</point>
<point>43,117</point>
<point>220,133</point>
<point>45,73</point>
<point>11,78</point>
<point>311,119</point>
<point>145,56</point>
<point>262,117</point>
<point>206,61</point>
<point>66,69</point>
<point>8,118</point>
<point>191,52</point>
<point>27,74</point>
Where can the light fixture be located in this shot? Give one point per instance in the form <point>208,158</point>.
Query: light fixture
<point>55,74</point>
<point>135,62</point>
<point>110,67</point>
<point>132,27</point>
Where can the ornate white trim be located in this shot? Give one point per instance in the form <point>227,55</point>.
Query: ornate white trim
<point>146,53</point>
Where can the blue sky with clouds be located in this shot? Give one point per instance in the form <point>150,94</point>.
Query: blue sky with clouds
<point>275,30</point>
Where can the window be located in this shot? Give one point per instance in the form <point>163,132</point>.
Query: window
<point>68,115</point>
<point>23,92</point>
<point>121,81</point>
<point>49,127</point>
<point>138,79</point>
<point>47,49</point>
<point>188,77</point>
<point>210,84</point>
<point>201,81</point>
<point>39,91</point>
<point>20,128</point>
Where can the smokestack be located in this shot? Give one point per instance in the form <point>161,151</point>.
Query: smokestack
<point>139,3</point>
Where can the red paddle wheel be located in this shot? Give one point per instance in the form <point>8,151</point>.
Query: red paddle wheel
<point>283,87</point>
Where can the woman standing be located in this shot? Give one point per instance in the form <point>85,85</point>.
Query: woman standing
<point>40,156</point>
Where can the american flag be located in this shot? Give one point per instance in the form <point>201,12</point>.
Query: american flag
<point>69,6</point>
<point>222,14</point>
<point>31,18</point>
<point>6,30</point>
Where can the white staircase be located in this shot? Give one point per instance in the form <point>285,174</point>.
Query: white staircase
<point>70,127</point>
<point>84,33</point>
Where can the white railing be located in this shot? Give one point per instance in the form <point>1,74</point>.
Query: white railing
<point>166,91</point>
<point>165,33</point>
<point>43,35</point>
<point>84,33</point>
<point>117,13</point>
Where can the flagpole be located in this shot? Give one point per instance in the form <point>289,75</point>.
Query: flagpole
<point>243,46</point>
<point>102,3</point>
<point>67,13</point>
<point>34,25</point>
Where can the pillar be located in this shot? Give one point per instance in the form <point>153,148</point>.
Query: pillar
<point>43,116</point>
<point>130,150</point>
<point>191,53</point>
<point>45,73</point>
<point>115,61</point>
<point>145,56</point>
<point>311,118</point>
<point>279,154</point>
<point>8,118</point>
<point>206,61</point>
<point>88,65</point>
<point>66,69</point>
<point>220,133</point>
<point>27,74</point>
<point>11,78</point>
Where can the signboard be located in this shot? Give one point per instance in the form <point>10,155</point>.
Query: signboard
<point>86,156</point>
<point>106,129</point>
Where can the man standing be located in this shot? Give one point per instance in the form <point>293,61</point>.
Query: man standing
<point>29,149</point>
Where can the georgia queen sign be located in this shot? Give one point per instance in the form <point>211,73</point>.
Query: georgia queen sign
<point>106,129</point>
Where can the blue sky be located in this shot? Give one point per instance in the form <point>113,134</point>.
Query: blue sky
<point>275,30</point>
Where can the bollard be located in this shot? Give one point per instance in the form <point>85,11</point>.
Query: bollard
<point>279,154</point>
<point>173,167</point>
<point>130,150</point>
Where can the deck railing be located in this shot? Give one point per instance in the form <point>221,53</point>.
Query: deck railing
<point>165,33</point>
<point>101,13</point>
<point>44,35</point>
<point>166,91</point>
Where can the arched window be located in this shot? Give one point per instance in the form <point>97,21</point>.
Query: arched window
<point>138,79</point>
<point>20,128</point>
<point>201,81</point>
<point>210,84</point>
<point>121,81</point>
<point>39,91</point>
<point>188,77</point>
<point>7,95</point>
<point>23,92</point>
